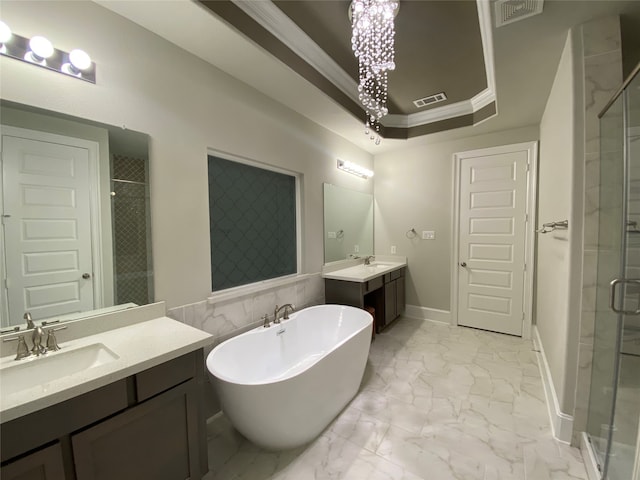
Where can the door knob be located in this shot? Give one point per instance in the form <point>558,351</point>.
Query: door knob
<point>86,276</point>
<point>463,264</point>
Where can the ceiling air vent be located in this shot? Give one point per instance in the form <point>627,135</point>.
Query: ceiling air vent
<point>430,100</point>
<point>509,11</point>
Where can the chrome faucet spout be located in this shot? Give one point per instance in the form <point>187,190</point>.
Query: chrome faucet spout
<point>368,258</point>
<point>36,337</point>
<point>27,317</point>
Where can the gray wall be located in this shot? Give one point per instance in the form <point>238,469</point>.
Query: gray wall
<point>186,106</point>
<point>414,189</point>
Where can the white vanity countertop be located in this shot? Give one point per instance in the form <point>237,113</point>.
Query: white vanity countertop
<point>138,346</point>
<point>363,273</point>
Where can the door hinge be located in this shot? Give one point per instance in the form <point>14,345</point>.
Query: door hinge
<point>528,164</point>
<point>7,283</point>
<point>523,315</point>
<point>525,267</point>
<point>526,218</point>
<point>3,218</point>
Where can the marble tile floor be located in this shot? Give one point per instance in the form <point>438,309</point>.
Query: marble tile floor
<point>436,402</point>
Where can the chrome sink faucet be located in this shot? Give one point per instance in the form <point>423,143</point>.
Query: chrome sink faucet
<point>368,258</point>
<point>36,337</point>
<point>288,307</point>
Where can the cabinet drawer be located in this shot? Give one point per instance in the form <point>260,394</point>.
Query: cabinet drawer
<point>373,284</point>
<point>38,428</point>
<point>396,274</point>
<point>165,376</point>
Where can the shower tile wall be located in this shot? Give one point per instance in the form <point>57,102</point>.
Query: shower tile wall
<point>601,59</point>
<point>131,224</point>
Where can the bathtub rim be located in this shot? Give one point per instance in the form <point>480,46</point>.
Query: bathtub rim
<point>260,329</point>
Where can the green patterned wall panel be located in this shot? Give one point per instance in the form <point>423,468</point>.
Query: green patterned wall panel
<point>252,215</point>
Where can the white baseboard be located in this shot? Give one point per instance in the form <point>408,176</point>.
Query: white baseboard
<point>561,423</point>
<point>424,313</point>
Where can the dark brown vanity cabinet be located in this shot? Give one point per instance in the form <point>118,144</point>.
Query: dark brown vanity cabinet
<point>386,294</point>
<point>394,296</point>
<point>147,426</point>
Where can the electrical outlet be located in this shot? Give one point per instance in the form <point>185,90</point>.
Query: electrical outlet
<point>393,249</point>
<point>428,235</point>
<point>331,234</point>
<point>356,248</point>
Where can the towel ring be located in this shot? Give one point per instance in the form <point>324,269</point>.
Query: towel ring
<point>411,233</point>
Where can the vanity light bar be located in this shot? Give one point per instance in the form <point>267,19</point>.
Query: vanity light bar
<point>39,51</point>
<point>354,169</point>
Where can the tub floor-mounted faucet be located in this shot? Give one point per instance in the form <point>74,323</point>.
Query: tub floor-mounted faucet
<point>288,307</point>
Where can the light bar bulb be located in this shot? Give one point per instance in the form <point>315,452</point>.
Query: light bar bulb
<point>5,33</point>
<point>41,48</point>
<point>354,169</point>
<point>80,59</point>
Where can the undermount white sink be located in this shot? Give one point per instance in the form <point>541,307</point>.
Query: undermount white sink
<point>27,373</point>
<point>362,272</point>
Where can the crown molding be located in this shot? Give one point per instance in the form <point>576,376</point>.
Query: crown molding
<point>276,22</point>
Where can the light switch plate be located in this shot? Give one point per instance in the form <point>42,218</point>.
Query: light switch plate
<point>331,234</point>
<point>428,235</point>
<point>393,249</point>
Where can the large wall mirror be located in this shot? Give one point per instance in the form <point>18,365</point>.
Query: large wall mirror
<point>348,223</point>
<point>76,232</point>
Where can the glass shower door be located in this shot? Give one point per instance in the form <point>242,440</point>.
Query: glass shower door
<point>614,403</point>
<point>626,408</point>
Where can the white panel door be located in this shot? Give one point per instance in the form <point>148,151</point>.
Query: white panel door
<point>47,228</point>
<point>491,256</point>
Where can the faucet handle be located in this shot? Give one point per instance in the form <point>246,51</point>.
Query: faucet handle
<point>23,350</point>
<point>52,341</point>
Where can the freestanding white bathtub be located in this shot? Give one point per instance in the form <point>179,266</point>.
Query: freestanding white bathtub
<point>281,386</point>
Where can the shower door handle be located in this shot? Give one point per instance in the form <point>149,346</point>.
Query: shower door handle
<point>612,295</point>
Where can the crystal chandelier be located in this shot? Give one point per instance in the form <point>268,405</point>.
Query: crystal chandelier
<point>372,41</point>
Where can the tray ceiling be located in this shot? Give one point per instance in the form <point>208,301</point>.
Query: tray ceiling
<point>441,46</point>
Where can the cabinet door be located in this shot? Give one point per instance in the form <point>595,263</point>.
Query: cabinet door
<point>157,439</point>
<point>401,302</point>
<point>45,464</point>
<point>389,302</point>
